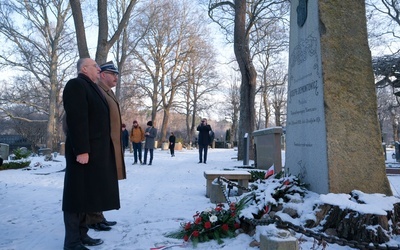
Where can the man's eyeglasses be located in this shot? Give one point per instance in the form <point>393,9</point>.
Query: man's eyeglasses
<point>203,121</point>
<point>93,65</point>
<point>110,73</point>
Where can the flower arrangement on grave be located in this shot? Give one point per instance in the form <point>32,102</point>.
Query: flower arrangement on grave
<point>217,223</point>
<point>211,224</point>
<point>272,194</point>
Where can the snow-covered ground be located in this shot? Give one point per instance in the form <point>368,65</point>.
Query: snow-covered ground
<point>154,201</point>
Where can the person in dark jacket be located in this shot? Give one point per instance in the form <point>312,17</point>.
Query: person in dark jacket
<point>171,140</point>
<point>150,134</point>
<point>204,139</point>
<point>90,182</point>
<point>125,137</point>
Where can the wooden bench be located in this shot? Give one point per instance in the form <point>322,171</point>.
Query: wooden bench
<point>242,177</point>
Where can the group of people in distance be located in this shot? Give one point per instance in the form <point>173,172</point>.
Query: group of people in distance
<point>94,151</point>
<point>137,136</point>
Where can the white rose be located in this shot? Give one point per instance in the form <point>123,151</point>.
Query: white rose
<point>213,218</point>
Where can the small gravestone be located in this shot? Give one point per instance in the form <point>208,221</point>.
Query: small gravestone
<point>268,148</point>
<point>4,151</point>
<point>333,139</point>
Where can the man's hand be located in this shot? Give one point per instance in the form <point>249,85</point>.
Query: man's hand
<point>83,158</point>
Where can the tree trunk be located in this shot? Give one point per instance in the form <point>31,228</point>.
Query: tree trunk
<point>79,28</point>
<point>164,125</point>
<point>351,225</point>
<point>102,42</point>
<point>53,112</point>
<point>248,84</point>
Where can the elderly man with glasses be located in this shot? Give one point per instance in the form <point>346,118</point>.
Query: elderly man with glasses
<point>90,182</point>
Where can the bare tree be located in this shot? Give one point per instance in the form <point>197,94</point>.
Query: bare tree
<point>130,97</point>
<point>40,49</point>
<point>105,40</point>
<point>388,111</point>
<point>241,17</point>
<point>232,109</point>
<point>384,25</point>
<point>164,53</point>
<point>34,132</point>
<point>201,82</point>
<point>269,41</point>
<point>278,99</point>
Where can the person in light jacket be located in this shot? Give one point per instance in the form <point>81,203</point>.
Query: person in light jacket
<point>108,80</point>
<point>136,137</point>
<point>150,135</point>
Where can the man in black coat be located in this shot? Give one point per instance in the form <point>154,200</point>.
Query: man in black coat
<point>91,182</point>
<point>204,140</point>
<point>171,140</point>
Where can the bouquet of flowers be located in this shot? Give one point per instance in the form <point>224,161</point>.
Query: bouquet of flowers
<point>211,224</point>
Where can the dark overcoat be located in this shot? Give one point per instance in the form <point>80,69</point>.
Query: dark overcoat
<point>171,140</point>
<point>204,134</point>
<point>90,187</point>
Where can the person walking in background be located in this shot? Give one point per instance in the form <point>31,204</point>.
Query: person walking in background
<point>125,138</point>
<point>150,134</point>
<point>204,139</point>
<point>171,140</point>
<point>108,80</point>
<point>91,181</point>
<point>136,137</point>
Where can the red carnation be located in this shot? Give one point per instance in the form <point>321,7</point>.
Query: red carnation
<point>218,209</point>
<point>198,220</point>
<point>188,226</point>
<point>186,238</point>
<point>207,225</point>
<point>196,233</point>
<point>237,225</point>
<point>225,227</point>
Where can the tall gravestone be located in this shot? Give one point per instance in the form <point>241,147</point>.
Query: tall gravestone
<point>333,137</point>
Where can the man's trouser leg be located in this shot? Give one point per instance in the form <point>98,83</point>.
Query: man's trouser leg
<point>135,151</point>
<point>94,218</point>
<point>75,228</point>
<point>200,153</point>
<point>205,153</point>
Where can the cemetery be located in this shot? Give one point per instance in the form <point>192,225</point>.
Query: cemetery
<point>313,184</point>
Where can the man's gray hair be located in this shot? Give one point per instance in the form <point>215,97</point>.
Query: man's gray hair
<point>79,64</point>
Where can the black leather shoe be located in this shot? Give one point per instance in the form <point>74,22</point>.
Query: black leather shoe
<point>200,162</point>
<point>77,247</point>
<point>88,241</point>
<point>109,223</point>
<point>99,227</point>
